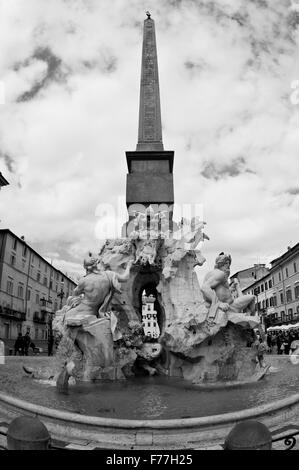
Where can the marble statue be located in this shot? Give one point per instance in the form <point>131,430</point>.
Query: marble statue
<point>95,291</point>
<point>217,293</point>
<point>204,329</point>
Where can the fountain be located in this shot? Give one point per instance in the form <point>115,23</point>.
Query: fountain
<point>159,321</point>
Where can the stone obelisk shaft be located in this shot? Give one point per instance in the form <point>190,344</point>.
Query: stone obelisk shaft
<point>150,128</point>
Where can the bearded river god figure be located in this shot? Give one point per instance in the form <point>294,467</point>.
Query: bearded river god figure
<point>218,295</point>
<point>96,289</point>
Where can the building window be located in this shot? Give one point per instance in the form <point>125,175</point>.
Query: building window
<point>270,284</point>
<point>14,244</point>
<point>24,251</point>
<point>38,276</point>
<point>28,294</point>
<point>266,285</point>
<point>295,267</point>
<point>51,284</point>
<point>296,292</point>
<point>279,276</point>
<point>290,313</point>
<point>37,298</point>
<point>271,301</point>
<point>274,301</point>
<point>9,287</point>
<point>12,260</point>
<point>267,303</point>
<point>282,315</point>
<point>289,295</point>
<point>263,304</point>
<point>262,288</point>
<point>287,272</point>
<point>20,291</point>
<point>281,297</point>
<point>45,281</point>
<point>6,330</point>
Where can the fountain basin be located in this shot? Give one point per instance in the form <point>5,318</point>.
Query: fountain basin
<point>109,433</point>
<point>180,433</point>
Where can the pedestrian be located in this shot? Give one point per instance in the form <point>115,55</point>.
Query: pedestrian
<point>274,344</point>
<point>18,346</point>
<point>279,343</point>
<point>50,345</point>
<point>269,342</point>
<point>27,341</point>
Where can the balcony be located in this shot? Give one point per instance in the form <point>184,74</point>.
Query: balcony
<point>12,314</point>
<point>282,321</point>
<point>40,317</point>
<point>45,306</point>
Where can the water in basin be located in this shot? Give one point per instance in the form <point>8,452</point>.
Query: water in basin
<point>151,397</point>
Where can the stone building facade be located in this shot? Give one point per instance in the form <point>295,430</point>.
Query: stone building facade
<point>31,290</point>
<point>278,292</point>
<point>247,276</point>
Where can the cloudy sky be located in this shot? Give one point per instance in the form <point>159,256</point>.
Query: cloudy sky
<point>70,70</point>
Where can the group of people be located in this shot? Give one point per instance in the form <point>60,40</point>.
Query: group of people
<point>23,343</point>
<point>282,342</point>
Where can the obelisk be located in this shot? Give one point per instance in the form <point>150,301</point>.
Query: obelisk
<point>150,167</point>
<point>150,127</point>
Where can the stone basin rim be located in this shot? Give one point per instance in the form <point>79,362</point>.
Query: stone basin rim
<point>202,421</point>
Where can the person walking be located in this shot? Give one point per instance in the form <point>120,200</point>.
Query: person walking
<point>18,346</point>
<point>269,342</point>
<point>27,341</point>
<point>50,344</point>
<point>273,344</point>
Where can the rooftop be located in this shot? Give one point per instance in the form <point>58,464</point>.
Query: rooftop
<point>288,254</point>
<point>6,230</point>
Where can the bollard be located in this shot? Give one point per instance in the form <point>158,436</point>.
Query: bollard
<point>26,433</point>
<point>249,435</point>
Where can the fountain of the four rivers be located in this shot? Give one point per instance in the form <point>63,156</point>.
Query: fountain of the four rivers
<point>165,359</point>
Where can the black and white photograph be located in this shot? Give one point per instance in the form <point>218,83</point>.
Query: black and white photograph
<point>149,228</point>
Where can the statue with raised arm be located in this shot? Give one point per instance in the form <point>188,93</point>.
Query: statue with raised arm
<point>217,293</point>
<point>96,289</point>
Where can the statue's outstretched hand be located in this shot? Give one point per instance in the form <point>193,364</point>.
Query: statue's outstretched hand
<point>224,306</point>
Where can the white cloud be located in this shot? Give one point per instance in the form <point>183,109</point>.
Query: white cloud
<point>226,69</point>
